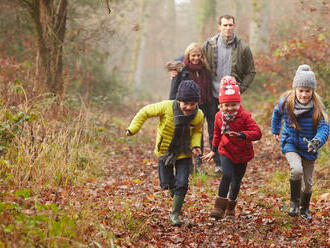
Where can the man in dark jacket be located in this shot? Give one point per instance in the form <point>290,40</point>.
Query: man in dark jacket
<point>228,55</point>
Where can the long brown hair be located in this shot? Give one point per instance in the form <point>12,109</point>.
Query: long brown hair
<point>318,114</point>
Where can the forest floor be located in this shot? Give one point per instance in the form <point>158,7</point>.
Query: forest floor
<point>125,207</point>
<point>133,199</point>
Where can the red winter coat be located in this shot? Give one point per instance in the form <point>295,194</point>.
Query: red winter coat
<point>238,150</point>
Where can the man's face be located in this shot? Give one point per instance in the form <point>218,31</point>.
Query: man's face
<point>227,28</point>
<point>187,108</point>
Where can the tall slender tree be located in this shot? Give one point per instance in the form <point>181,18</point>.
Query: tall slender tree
<point>137,55</point>
<point>207,17</point>
<point>259,26</point>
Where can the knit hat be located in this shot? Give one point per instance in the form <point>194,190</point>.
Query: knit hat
<point>229,90</point>
<point>188,91</point>
<point>304,78</point>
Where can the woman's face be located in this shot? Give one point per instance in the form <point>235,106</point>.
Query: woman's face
<point>195,57</point>
<point>304,95</point>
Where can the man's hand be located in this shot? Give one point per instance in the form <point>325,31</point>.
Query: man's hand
<point>277,137</point>
<point>208,156</point>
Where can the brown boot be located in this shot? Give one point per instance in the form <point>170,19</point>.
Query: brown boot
<point>220,207</point>
<point>231,208</point>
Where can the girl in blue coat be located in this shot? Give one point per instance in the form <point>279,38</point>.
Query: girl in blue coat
<point>305,130</point>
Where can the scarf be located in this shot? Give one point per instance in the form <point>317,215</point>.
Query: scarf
<point>181,137</point>
<point>300,109</point>
<point>198,73</point>
<point>226,118</point>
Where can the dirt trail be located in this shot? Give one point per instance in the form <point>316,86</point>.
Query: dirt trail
<point>261,219</point>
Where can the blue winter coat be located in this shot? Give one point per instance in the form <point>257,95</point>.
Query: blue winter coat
<point>292,138</point>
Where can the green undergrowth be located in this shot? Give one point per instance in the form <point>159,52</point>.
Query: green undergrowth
<point>199,178</point>
<point>28,223</point>
<point>277,182</point>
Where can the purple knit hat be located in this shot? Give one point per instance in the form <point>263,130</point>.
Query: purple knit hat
<point>188,91</point>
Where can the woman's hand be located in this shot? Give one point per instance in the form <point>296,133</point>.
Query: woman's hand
<point>277,137</point>
<point>173,74</point>
<point>208,156</point>
<point>128,133</point>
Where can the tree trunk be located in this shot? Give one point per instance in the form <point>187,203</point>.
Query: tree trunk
<point>49,20</point>
<point>139,43</point>
<point>259,26</point>
<point>207,18</point>
<point>142,44</point>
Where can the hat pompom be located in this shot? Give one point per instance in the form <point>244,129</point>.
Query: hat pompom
<point>304,78</point>
<point>303,68</point>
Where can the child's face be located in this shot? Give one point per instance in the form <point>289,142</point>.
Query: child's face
<point>304,95</point>
<point>230,107</point>
<point>195,56</point>
<point>187,108</point>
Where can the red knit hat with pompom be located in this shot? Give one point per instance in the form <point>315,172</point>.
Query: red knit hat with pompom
<point>229,90</point>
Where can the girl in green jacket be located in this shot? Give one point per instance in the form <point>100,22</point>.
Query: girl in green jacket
<point>178,137</point>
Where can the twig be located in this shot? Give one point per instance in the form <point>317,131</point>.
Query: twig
<point>108,6</point>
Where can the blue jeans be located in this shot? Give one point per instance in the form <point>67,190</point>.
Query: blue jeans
<point>209,110</point>
<point>231,177</point>
<point>177,181</point>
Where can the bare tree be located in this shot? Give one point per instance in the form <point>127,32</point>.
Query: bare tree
<point>259,26</point>
<point>207,17</point>
<point>135,73</point>
<point>49,21</point>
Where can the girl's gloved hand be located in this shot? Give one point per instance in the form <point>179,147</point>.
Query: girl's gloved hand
<point>313,145</point>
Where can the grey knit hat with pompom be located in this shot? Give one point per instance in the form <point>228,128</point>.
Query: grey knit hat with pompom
<point>304,78</point>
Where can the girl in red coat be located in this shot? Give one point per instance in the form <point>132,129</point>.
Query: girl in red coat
<point>234,131</point>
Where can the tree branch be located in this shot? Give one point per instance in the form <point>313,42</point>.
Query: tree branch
<point>108,6</point>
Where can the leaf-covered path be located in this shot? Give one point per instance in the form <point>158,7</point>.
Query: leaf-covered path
<point>124,206</point>
<point>136,209</point>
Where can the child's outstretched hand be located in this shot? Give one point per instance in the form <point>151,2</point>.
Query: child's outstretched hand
<point>233,134</point>
<point>277,137</point>
<point>128,133</point>
<point>313,145</point>
<point>197,151</point>
<point>208,156</point>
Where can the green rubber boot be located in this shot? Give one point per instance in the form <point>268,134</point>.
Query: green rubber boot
<point>176,207</point>
<point>172,192</point>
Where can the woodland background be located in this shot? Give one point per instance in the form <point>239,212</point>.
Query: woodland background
<point>72,75</point>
